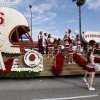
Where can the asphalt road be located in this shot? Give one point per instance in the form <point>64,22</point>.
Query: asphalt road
<point>49,88</point>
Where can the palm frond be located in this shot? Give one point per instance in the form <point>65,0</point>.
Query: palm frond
<point>80,2</point>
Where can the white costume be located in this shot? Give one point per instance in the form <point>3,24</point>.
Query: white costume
<point>44,41</point>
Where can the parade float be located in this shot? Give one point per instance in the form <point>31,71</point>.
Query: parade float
<point>16,62</point>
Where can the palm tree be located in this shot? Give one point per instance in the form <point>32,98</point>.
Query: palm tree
<point>79,3</point>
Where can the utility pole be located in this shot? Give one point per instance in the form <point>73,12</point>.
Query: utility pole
<point>30,6</point>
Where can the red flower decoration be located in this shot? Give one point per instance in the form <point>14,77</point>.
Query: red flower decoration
<point>8,65</point>
<point>79,60</point>
<point>58,67</point>
<point>32,57</point>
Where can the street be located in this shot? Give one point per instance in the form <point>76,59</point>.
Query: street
<point>49,88</point>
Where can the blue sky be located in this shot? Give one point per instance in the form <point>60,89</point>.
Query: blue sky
<point>56,16</point>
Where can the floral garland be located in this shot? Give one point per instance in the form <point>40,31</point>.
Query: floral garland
<point>83,62</point>
<point>58,66</point>
<point>38,68</point>
<point>78,59</point>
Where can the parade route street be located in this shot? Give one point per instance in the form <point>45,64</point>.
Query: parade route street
<point>49,88</point>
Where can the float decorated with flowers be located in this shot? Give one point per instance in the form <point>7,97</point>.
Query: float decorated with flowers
<point>16,62</point>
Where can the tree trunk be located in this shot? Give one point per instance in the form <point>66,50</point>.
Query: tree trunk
<point>80,22</point>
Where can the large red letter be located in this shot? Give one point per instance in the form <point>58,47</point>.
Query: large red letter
<point>1,18</point>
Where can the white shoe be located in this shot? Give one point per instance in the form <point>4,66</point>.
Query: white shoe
<point>69,62</point>
<point>52,56</point>
<point>79,53</point>
<point>85,80</point>
<point>91,88</point>
<point>47,56</point>
<point>65,56</point>
<point>87,85</point>
<point>73,63</point>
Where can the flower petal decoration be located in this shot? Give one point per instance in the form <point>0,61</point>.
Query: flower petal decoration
<point>79,60</point>
<point>58,66</point>
<point>32,57</point>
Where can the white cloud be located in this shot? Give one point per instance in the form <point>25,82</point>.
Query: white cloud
<point>45,6</point>
<point>41,13</point>
<point>41,8</point>
<point>71,21</point>
<point>93,4</point>
<point>43,18</point>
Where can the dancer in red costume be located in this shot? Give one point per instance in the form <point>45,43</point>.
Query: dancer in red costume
<point>70,54</point>
<point>66,44</point>
<point>40,40</point>
<point>90,69</point>
<point>91,45</point>
<point>66,40</point>
<point>78,43</point>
